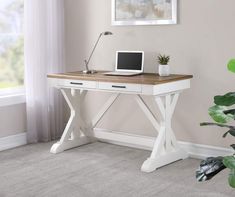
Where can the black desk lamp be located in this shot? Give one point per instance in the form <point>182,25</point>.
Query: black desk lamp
<point>88,71</point>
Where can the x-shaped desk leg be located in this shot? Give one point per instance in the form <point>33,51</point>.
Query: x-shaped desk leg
<point>77,132</point>
<point>166,149</point>
<point>73,135</point>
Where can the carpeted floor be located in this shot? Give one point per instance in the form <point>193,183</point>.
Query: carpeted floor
<point>99,170</point>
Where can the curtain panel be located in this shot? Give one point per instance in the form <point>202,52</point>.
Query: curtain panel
<point>44,53</point>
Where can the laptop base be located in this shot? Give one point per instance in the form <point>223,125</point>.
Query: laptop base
<point>122,73</point>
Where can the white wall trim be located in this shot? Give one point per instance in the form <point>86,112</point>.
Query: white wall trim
<point>12,141</point>
<point>198,151</point>
<point>201,151</point>
<point>12,100</point>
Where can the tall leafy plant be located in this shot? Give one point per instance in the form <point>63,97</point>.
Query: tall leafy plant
<point>223,112</point>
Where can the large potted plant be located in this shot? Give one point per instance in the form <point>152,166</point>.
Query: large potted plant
<point>222,113</point>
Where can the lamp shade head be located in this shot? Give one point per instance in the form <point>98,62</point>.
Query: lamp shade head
<point>105,33</point>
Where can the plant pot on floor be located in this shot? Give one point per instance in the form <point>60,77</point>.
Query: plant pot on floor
<point>164,70</point>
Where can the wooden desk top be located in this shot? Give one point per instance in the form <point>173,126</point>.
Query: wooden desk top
<point>145,78</point>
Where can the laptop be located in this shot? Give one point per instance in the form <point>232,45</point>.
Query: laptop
<point>128,63</point>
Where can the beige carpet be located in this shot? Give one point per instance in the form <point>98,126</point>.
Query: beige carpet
<point>99,170</point>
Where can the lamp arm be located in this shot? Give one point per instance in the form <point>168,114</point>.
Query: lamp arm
<point>87,61</point>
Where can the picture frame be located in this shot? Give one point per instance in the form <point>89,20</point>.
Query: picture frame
<point>144,12</point>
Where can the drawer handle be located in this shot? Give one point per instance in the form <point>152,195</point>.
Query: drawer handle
<point>74,83</point>
<point>114,86</point>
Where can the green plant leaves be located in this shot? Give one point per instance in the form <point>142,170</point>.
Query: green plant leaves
<point>217,113</point>
<point>221,114</point>
<point>232,132</point>
<point>231,65</point>
<point>225,100</point>
<point>230,111</point>
<point>163,59</point>
<point>229,162</point>
<point>231,179</point>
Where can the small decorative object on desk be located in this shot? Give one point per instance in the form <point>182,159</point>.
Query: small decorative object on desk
<point>163,69</point>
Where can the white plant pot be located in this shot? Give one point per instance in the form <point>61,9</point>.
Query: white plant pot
<point>164,70</point>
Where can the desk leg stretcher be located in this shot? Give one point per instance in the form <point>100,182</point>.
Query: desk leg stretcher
<point>72,136</point>
<point>166,149</point>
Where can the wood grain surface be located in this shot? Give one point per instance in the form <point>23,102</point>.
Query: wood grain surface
<point>145,78</point>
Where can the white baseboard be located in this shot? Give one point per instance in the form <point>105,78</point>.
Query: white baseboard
<point>136,141</point>
<point>198,151</point>
<point>201,151</point>
<point>12,141</point>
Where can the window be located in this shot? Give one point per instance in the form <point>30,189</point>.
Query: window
<point>11,45</point>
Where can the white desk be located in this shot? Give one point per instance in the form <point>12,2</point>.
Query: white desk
<point>164,90</point>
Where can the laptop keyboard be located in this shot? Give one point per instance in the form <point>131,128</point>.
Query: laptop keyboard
<point>122,73</point>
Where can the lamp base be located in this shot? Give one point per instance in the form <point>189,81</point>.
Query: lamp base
<point>89,71</point>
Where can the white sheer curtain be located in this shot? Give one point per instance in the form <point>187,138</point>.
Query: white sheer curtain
<point>44,53</point>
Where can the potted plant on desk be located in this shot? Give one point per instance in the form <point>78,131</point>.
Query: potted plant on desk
<point>222,113</point>
<point>163,69</point>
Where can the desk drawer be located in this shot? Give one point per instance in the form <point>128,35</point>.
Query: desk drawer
<point>78,84</point>
<point>120,87</point>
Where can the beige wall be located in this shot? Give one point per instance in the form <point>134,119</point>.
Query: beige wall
<point>200,44</point>
<point>12,120</point>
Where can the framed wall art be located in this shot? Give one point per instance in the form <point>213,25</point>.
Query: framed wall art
<point>144,12</point>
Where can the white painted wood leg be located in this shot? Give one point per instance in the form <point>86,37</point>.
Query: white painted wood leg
<point>72,136</point>
<point>166,149</point>
<point>104,109</point>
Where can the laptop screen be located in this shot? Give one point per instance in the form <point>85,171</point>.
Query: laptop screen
<point>132,61</point>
